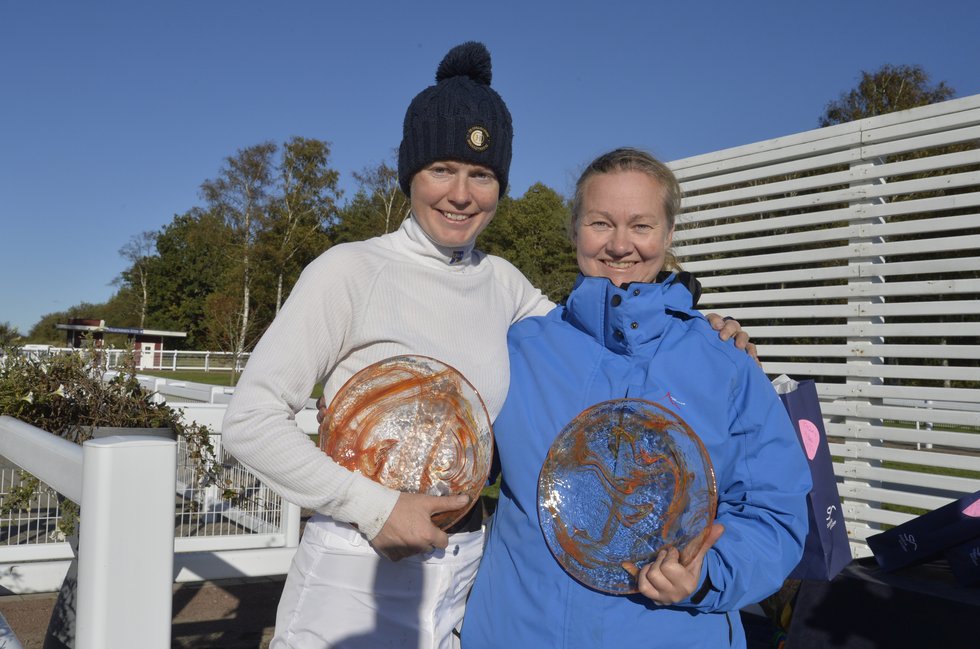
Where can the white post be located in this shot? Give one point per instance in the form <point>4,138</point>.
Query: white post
<point>290,524</point>
<point>126,547</point>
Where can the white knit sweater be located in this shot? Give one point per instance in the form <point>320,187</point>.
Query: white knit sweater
<point>357,304</point>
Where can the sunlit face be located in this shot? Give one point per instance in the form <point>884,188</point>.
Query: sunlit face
<point>454,201</point>
<point>622,231</point>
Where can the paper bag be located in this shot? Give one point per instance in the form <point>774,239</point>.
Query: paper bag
<point>827,549</point>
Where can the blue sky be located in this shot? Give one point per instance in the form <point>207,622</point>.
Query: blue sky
<point>113,113</point>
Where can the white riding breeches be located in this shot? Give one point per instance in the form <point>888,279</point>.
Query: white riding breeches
<point>341,593</point>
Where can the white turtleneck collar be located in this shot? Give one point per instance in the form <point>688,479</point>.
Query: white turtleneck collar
<point>421,243</point>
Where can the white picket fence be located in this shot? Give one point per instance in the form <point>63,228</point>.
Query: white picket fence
<point>850,255</point>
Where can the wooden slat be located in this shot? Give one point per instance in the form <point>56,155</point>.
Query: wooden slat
<point>929,141</point>
<point>830,391</point>
<point>906,456</point>
<point>863,173</point>
<point>778,150</point>
<point>855,193</point>
<point>923,123</point>
<point>897,413</point>
<point>852,271</point>
<point>852,490</point>
<point>965,441</point>
<point>758,330</point>
<point>852,310</point>
<point>867,514</point>
<point>950,287</point>
<point>853,252</point>
<point>868,350</point>
<point>914,372</point>
<point>927,224</point>
<point>738,175</point>
<point>861,471</point>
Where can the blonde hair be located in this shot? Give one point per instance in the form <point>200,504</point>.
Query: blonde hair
<point>630,159</point>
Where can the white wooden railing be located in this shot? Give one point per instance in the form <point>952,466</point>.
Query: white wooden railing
<point>125,487</point>
<point>217,539</point>
<point>166,359</point>
<point>850,255</point>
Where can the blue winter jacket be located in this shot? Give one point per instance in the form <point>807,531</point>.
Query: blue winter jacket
<point>642,342</point>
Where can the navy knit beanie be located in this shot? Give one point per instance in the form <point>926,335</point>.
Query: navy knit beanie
<point>460,118</point>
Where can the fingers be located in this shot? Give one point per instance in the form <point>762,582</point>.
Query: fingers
<point>448,503</point>
<point>409,529</point>
<point>667,580</point>
<point>321,409</point>
<point>653,582</point>
<point>716,321</point>
<point>714,533</point>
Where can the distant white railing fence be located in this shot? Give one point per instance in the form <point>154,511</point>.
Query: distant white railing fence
<point>166,359</point>
<point>850,255</point>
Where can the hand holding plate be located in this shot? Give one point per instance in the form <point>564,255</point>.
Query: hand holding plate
<point>667,581</point>
<point>409,529</point>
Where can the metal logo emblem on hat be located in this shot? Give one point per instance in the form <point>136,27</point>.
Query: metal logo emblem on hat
<point>478,138</point>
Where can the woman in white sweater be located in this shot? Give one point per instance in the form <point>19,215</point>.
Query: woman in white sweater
<point>372,570</point>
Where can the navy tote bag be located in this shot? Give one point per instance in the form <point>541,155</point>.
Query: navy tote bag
<point>826,550</point>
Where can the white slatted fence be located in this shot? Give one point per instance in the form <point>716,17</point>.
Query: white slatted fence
<point>850,253</point>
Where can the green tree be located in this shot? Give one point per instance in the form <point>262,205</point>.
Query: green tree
<point>138,251</point>
<point>240,196</point>
<point>192,262</point>
<point>295,228</point>
<point>532,233</point>
<point>378,207</point>
<point>888,89</point>
<point>8,334</point>
<point>45,332</point>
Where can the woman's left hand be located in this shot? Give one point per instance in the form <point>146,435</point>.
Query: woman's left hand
<point>730,328</point>
<point>667,581</point>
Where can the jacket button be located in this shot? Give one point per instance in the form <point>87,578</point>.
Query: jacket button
<point>618,335</point>
<point>616,300</point>
<point>634,325</point>
<point>636,291</point>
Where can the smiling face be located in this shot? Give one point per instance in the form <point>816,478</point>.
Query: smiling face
<point>621,229</point>
<point>454,201</point>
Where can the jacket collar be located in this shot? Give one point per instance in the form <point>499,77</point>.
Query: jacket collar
<point>626,319</point>
<point>419,242</point>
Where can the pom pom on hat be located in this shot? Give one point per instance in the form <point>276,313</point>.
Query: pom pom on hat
<point>469,59</point>
<point>459,118</point>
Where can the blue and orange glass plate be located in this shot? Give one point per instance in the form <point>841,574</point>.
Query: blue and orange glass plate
<point>621,481</point>
<point>414,424</point>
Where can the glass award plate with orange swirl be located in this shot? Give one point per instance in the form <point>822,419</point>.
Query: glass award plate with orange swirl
<point>622,480</point>
<point>414,424</point>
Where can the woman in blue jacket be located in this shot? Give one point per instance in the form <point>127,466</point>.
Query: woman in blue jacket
<point>628,330</point>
